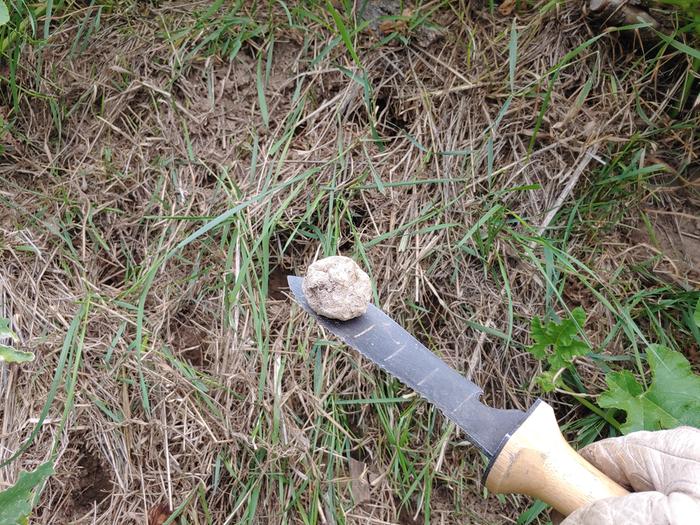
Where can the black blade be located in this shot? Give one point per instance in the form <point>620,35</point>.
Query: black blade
<point>376,336</point>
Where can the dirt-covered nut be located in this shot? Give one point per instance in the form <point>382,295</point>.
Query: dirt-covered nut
<point>336,287</point>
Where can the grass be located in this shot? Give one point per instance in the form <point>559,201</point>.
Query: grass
<point>164,169</point>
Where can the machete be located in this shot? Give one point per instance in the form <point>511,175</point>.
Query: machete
<point>526,451</point>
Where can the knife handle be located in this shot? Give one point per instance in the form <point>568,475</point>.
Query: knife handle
<point>537,461</point>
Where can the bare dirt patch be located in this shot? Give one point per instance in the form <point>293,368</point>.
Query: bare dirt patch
<point>188,339</point>
<point>90,484</point>
<point>672,234</point>
<point>277,283</point>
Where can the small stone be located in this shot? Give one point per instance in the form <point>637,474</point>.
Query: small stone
<point>336,287</point>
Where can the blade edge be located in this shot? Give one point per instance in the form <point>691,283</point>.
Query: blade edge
<point>486,427</point>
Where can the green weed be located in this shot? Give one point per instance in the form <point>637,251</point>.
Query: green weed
<point>271,215</point>
<point>558,344</point>
<point>672,399</point>
<point>4,13</point>
<point>9,354</point>
<point>16,502</point>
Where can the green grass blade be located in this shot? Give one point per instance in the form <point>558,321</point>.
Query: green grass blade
<point>512,55</point>
<point>344,33</point>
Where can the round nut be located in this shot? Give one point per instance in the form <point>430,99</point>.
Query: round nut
<point>336,287</point>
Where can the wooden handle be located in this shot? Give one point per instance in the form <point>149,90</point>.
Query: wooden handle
<point>538,461</point>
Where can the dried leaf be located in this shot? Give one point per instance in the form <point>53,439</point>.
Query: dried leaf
<point>393,26</point>
<point>360,482</point>
<point>159,514</point>
<point>507,7</point>
<point>397,24</point>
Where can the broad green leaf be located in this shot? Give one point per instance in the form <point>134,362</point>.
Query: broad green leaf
<point>15,502</point>
<point>561,338</point>
<point>558,344</point>
<point>5,330</point>
<point>546,381</point>
<point>672,399</point>
<point>696,315</point>
<point>539,335</point>
<point>7,353</point>
<point>4,13</point>
<point>10,355</point>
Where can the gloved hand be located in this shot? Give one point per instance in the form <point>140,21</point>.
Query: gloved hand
<point>661,468</point>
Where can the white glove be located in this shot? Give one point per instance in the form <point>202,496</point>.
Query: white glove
<point>661,468</point>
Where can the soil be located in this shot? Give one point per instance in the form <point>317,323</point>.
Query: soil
<point>277,287</point>
<point>673,235</point>
<point>189,341</point>
<point>90,485</point>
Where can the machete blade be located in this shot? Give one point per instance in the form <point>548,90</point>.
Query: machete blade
<point>379,338</point>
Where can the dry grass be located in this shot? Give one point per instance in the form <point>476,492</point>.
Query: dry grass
<point>189,378</point>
